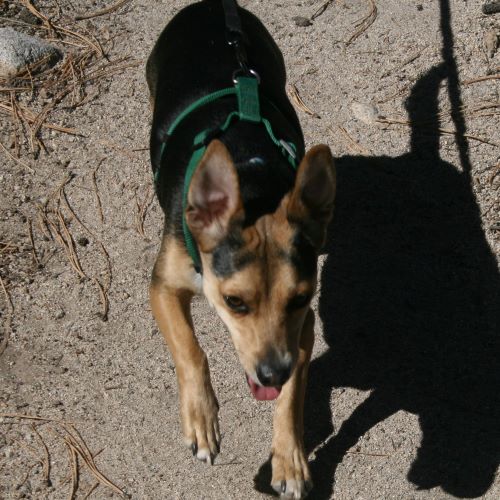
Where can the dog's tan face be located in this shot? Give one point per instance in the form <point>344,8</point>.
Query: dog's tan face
<point>261,278</point>
<point>263,294</point>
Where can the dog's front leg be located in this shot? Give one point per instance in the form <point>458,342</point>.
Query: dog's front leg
<point>291,477</point>
<point>198,405</point>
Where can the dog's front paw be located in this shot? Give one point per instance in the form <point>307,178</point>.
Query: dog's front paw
<point>200,423</point>
<point>291,477</point>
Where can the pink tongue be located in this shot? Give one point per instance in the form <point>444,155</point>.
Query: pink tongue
<point>263,393</point>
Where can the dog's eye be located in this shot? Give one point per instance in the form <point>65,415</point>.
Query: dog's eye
<point>299,301</point>
<point>235,303</point>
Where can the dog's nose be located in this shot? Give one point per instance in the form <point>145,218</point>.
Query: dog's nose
<point>273,371</point>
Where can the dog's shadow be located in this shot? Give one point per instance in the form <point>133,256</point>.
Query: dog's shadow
<point>410,309</point>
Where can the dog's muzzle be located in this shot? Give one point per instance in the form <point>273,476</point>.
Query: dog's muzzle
<point>271,374</point>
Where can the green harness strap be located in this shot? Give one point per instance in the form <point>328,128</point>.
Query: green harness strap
<point>247,93</point>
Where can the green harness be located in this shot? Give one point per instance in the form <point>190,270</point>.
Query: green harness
<point>247,93</point>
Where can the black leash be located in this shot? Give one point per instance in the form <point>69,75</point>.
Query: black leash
<point>235,34</point>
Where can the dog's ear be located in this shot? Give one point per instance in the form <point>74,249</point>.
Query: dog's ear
<point>214,202</point>
<point>311,201</point>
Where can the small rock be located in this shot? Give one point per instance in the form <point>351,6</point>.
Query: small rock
<point>367,113</point>
<point>59,314</point>
<point>302,21</point>
<point>17,51</point>
<point>420,7</point>
<point>59,370</point>
<point>83,241</point>
<point>491,8</point>
<point>106,33</point>
<point>491,42</point>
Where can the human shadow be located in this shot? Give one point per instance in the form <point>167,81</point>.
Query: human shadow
<point>410,310</point>
<point>410,305</point>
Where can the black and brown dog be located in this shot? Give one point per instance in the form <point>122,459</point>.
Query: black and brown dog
<point>257,225</point>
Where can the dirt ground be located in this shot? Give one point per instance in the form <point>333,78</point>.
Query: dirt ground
<point>403,398</point>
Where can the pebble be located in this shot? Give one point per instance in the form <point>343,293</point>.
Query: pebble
<point>491,8</point>
<point>302,21</point>
<point>367,113</point>
<point>83,241</point>
<point>59,314</point>
<point>18,50</point>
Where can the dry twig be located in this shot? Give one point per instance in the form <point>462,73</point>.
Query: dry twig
<point>103,289</point>
<point>29,225</point>
<point>353,145</point>
<point>395,121</point>
<point>14,89</point>
<point>321,9</point>
<point>73,462</point>
<point>368,454</point>
<point>363,24</point>
<point>92,489</point>
<point>8,247</point>
<point>74,440</point>
<point>46,459</point>
<point>294,95</point>
<point>17,160</point>
<point>77,448</point>
<point>482,79</point>
<point>104,299</point>
<point>407,61</point>
<point>96,192</point>
<point>21,416</point>
<point>56,223</point>
<point>8,321</point>
<point>30,117</point>
<point>27,475</point>
<point>30,449</point>
<point>118,148</point>
<point>39,15</point>
<point>141,210</point>
<point>102,12</point>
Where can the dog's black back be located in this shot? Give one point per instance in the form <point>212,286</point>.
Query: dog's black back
<point>193,59</point>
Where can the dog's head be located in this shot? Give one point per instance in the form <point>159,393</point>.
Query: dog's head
<point>261,278</point>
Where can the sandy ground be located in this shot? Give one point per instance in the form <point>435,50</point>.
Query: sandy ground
<point>403,394</point>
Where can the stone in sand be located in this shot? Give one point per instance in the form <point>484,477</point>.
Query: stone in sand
<point>17,51</point>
